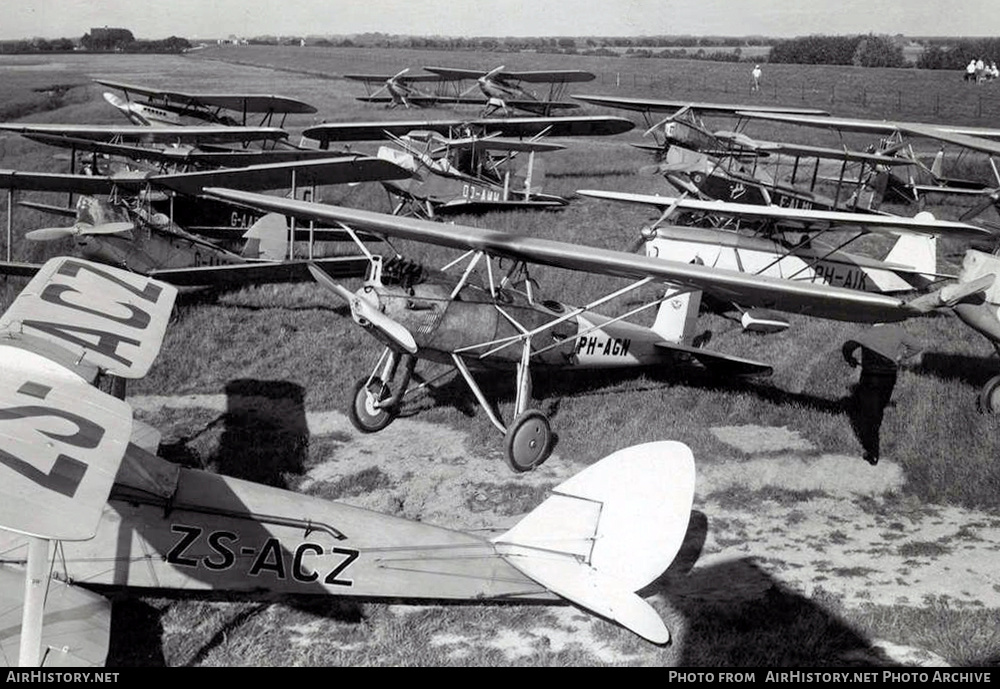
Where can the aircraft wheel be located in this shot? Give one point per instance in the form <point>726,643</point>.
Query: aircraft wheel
<point>365,416</point>
<point>989,397</point>
<point>528,441</point>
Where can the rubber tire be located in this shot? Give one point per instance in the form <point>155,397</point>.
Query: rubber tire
<point>989,396</point>
<point>363,416</point>
<point>528,441</point>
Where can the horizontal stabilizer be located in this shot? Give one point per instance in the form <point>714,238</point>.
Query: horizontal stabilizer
<point>597,592</point>
<point>719,362</point>
<point>610,530</point>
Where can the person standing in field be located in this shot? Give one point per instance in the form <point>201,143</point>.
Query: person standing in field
<point>883,348</point>
<point>970,70</point>
<point>755,75</point>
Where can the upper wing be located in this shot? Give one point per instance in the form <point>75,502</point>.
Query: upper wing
<point>750,290</point>
<point>656,105</point>
<point>924,224</point>
<point>823,152</point>
<point>559,76</point>
<point>161,135</point>
<point>508,126</point>
<point>950,136</point>
<point>405,78</point>
<point>103,317</point>
<point>329,170</point>
<point>241,102</point>
<point>131,88</point>
<point>847,124</point>
<point>247,102</point>
<point>449,74</point>
<point>339,170</point>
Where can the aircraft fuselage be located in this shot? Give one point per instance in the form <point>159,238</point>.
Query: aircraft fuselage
<point>473,325</point>
<point>774,257</point>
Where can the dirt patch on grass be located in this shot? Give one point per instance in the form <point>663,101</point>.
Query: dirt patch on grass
<point>825,527</point>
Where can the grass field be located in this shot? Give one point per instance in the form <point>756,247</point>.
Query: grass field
<point>751,598</point>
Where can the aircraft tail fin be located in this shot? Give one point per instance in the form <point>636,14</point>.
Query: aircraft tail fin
<point>677,316</point>
<point>915,251</point>
<point>937,167</point>
<point>602,535</point>
<point>267,238</point>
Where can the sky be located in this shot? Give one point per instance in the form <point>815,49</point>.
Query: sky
<point>220,18</point>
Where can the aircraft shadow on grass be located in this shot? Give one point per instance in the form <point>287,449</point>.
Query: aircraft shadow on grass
<point>973,370</point>
<point>733,614</point>
<point>550,387</point>
<point>264,434</point>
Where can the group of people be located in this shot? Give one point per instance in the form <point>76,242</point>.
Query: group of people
<point>978,71</point>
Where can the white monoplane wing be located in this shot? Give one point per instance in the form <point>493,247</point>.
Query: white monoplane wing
<point>748,290</point>
<point>805,219</point>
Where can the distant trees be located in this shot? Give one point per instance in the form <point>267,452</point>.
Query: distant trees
<point>878,51</point>
<point>816,50</point>
<point>107,40</point>
<point>956,54</point>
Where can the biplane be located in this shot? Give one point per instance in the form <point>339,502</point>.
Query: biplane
<point>160,107</point>
<point>894,137</point>
<point>503,90</point>
<point>167,149</point>
<point>399,88</point>
<point>468,166</point>
<point>787,243</point>
<point>88,504</point>
<point>137,222</point>
<point>499,321</point>
<point>653,108</point>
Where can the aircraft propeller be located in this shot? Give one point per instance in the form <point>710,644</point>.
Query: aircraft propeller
<point>80,229</point>
<point>648,233</point>
<point>365,313</point>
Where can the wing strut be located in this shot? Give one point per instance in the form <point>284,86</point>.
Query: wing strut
<point>36,578</point>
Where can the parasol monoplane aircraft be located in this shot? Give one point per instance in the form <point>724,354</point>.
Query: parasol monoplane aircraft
<point>786,243</point>
<point>88,504</point>
<point>134,225</point>
<point>468,166</point>
<point>165,107</point>
<point>503,324</point>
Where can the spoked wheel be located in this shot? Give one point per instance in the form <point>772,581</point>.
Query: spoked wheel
<point>365,416</point>
<point>528,440</point>
<point>989,397</point>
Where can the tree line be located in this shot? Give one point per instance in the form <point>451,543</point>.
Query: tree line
<point>102,40</point>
